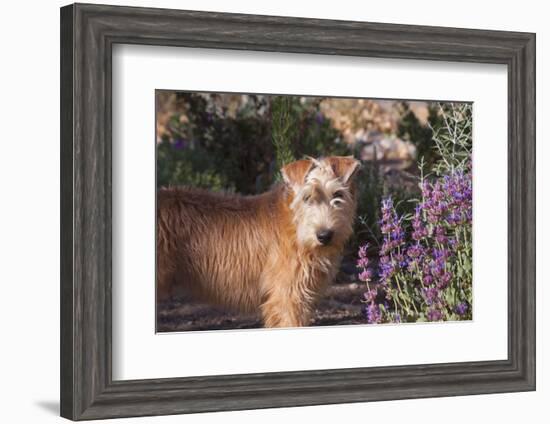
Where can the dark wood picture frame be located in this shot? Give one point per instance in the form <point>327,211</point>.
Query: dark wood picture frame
<point>88,33</point>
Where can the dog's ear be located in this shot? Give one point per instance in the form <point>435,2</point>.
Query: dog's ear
<point>294,173</point>
<point>345,167</point>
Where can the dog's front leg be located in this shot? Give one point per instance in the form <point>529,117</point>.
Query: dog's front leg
<point>284,309</point>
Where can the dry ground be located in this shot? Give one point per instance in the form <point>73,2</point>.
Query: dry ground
<point>341,305</point>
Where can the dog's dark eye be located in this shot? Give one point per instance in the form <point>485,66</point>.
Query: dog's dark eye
<point>337,195</point>
<point>306,198</point>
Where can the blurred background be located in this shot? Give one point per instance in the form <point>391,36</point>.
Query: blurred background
<point>238,143</point>
<point>225,141</point>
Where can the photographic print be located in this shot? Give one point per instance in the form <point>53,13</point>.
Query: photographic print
<point>339,203</point>
<point>293,211</point>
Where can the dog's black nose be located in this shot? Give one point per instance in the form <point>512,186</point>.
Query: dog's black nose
<point>324,236</point>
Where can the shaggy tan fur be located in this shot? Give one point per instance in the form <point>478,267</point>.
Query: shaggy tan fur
<point>259,253</point>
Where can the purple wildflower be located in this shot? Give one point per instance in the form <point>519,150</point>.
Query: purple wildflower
<point>415,251</point>
<point>365,275</point>
<point>441,254</point>
<point>444,280</point>
<point>390,226</point>
<point>437,268</point>
<point>427,279</point>
<point>458,187</point>
<point>373,313</point>
<point>179,144</point>
<point>320,118</point>
<point>420,230</point>
<point>386,271</point>
<point>401,260</point>
<point>363,260</point>
<point>387,208</point>
<point>431,295</point>
<point>363,263</point>
<point>370,295</point>
<point>454,218</point>
<point>428,264</point>
<point>440,234</point>
<point>453,243</point>
<point>434,314</point>
<point>461,308</point>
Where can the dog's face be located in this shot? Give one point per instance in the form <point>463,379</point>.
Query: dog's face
<point>323,200</point>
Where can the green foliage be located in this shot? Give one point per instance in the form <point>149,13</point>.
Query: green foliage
<point>452,137</point>
<point>411,129</point>
<point>370,191</point>
<point>241,150</point>
<point>315,134</point>
<point>284,128</point>
<point>211,145</point>
<point>191,166</point>
<point>443,145</point>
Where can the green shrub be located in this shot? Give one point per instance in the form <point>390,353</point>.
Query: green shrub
<point>241,150</point>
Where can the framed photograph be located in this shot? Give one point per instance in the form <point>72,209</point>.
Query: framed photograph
<point>263,212</point>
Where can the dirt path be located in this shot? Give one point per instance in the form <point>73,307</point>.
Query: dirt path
<point>340,306</point>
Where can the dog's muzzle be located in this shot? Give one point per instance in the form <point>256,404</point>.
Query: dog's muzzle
<point>325,236</point>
